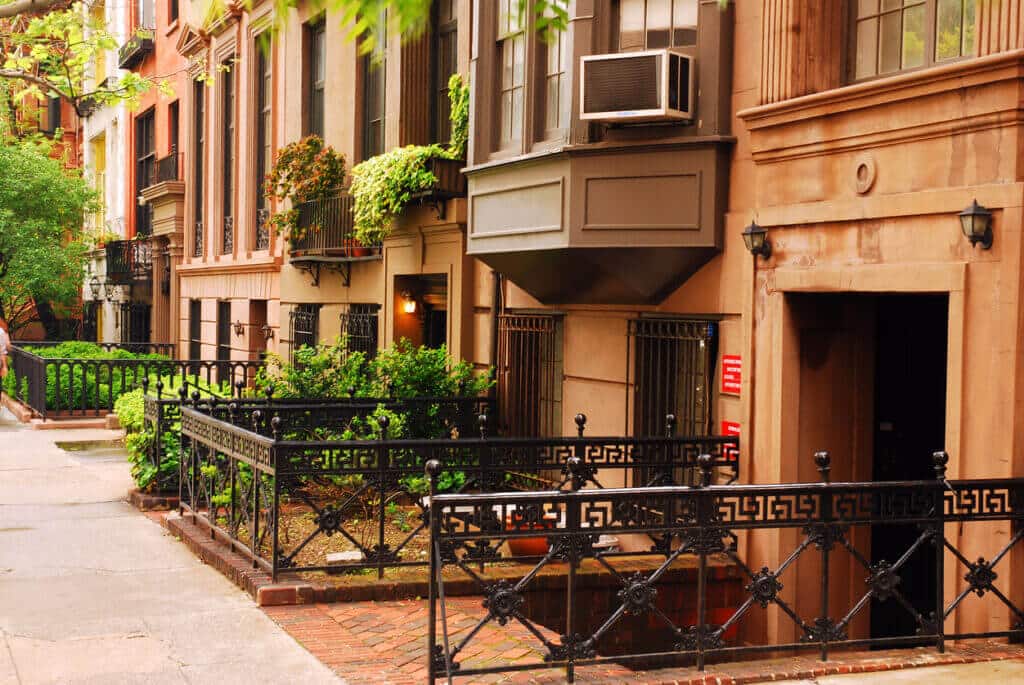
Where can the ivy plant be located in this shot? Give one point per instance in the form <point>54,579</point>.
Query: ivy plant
<point>304,171</point>
<point>382,186</point>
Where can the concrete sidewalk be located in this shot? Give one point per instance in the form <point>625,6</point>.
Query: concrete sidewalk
<point>1007,672</point>
<point>91,591</point>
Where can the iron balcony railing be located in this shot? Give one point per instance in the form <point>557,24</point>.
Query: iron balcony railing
<point>290,450</point>
<point>135,49</point>
<point>326,228</point>
<point>965,531</point>
<point>167,168</point>
<point>197,239</point>
<point>129,260</point>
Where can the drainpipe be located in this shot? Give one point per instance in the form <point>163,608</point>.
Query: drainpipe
<point>496,306</point>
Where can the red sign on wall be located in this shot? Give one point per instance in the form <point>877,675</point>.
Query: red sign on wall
<point>731,452</point>
<point>732,373</point>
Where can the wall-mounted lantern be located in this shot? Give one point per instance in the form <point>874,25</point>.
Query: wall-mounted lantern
<point>408,303</point>
<point>756,239</point>
<point>94,288</point>
<point>267,331</point>
<point>976,223</point>
<point>239,327</point>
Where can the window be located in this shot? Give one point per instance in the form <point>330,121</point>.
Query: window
<point>198,150</point>
<point>145,168</point>
<point>316,58</point>
<point>195,329</point>
<point>529,374</point>
<point>555,111</point>
<point>135,319</point>
<point>223,335</point>
<point>147,14</point>
<point>305,326</point>
<point>49,116</point>
<point>172,127</point>
<point>172,11</point>
<point>446,46</point>
<point>359,326</point>
<point>673,366</point>
<point>653,24</point>
<point>264,152</point>
<point>374,87</point>
<point>228,158</point>
<point>512,66</point>
<point>893,35</point>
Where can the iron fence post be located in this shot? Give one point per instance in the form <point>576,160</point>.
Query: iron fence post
<point>704,522</point>
<point>572,526</point>
<point>939,460</point>
<point>432,469</point>
<point>823,462</point>
<point>275,517</point>
<point>382,458</point>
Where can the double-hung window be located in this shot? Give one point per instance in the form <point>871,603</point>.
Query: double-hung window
<point>653,24</point>
<point>374,94</point>
<point>264,153</point>
<point>896,35</point>
<point>512,72</point>
<point>316,78</point>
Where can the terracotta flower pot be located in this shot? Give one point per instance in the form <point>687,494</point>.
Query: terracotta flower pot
<point>530,546</point>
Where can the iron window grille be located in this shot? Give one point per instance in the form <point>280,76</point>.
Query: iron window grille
<point>359,325</point>
<point>264,153</point>
<point>304,326</point>
<point>135,322</point>
<point>228,171</point>
<point>199,113</point>
<point>529,374</point>
<point>673,362</point>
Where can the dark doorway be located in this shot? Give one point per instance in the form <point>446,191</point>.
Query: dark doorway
<point>910,424</point>
<point>223,339</point>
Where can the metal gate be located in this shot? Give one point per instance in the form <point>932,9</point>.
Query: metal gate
<point>529,374</point>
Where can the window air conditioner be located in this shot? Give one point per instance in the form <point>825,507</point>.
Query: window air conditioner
<point>631,87</point>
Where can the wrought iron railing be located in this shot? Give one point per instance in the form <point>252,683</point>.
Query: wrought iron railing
<point>129,260</point>
<point>168,168</point>
<point>228,235</point>
<point>326,228</point>
<point>243,462</point>
<point>819,530</point>
<point>54,387</point>
<point>197,239</point>
<point>262,229</point>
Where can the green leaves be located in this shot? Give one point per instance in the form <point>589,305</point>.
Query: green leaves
<point>304,170</point>
<point>42,256</point>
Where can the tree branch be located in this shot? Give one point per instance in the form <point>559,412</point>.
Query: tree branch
<point>17,7</point>
<point>46,86</point>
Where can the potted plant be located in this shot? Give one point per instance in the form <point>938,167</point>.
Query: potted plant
<point>382,186</point>
<point>304,171</point>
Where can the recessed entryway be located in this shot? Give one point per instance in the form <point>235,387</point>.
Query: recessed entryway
<point>872,391</point>
<point>421,309</point>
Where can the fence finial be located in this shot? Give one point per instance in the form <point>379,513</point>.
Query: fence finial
<point>384,422</point>
<point>239,386</point>
<point>939,461</point>
<point>257,416</point>
<point>705,463</point>
<point>670,425</point>
<point>581,423</point>
<point>159,387</point>
<point>145,384</point>
<point>232,408</point>
<point>275,426</point>
<point>182,392</point>
<point>268,392</point>
<point>824,463</point>
<point>481,423</point>
<point>195,398</point>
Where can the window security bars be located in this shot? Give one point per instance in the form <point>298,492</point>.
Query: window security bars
<point>242,458</point>
<point>135,322</point>
<point>304,326</point>
<point>827,524</point>
<point>359,325</point>
<point>673,369</point>
<point>197,239</point>
<point>529,374</point>
<point>262,229</point>
<point>228,237</point>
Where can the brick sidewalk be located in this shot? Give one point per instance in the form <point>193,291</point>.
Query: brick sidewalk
<point>385,643</point>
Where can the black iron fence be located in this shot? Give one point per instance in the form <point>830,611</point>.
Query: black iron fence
<point>961,532</point>
<point>58,387</point>
<point>294,488</point>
